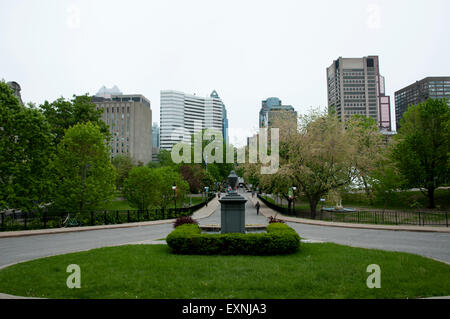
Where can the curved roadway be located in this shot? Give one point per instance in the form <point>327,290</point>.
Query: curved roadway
<point>17,249</point>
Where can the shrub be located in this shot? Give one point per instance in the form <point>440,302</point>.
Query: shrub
<point>279,239</point>
<point>182,220</point>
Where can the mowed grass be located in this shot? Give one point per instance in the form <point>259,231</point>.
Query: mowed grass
<point>151,271</point>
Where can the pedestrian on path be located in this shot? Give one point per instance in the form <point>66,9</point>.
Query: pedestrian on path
<point>257,208</point>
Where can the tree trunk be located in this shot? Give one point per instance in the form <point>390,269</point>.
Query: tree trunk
<point>313,207</point>
<point>367,190</point>
<point>431,197</point>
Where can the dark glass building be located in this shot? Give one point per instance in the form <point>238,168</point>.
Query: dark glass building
<point>270,108</point>
<point>430,87</point>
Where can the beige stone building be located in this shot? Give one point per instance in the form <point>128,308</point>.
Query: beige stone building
<point>129,118</point>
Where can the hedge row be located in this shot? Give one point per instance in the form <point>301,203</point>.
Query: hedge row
<point>188,239</point>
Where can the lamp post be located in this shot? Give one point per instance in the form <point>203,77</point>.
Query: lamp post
<point>293,193</point>
<point>174,187</point>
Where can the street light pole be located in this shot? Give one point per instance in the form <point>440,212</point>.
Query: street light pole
<point>174,187</point>
<point>293,193</point>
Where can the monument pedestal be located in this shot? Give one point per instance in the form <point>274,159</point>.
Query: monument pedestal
<point>232,213</point>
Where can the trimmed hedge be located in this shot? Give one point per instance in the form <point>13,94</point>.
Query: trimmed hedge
<point>189,240</point>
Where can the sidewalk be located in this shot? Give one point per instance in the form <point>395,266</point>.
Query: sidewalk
<point>203,212</point>
<point>267,212</point>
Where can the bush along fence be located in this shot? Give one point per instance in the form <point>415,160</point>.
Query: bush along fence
<point>380,217</point>
<point>47,218</point>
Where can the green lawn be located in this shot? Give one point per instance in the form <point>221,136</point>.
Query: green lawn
<point>151,271</point>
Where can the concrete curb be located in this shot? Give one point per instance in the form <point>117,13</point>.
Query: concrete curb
<point>268,212</point>
<point>203,212</point>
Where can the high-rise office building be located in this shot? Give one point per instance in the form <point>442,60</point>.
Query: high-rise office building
<point>182,115</point>
<point>420,91</point>
<point>155,141</point>
<point>273,108</point>
<point>355,87</point>
<point>129,118</point>
<point>155,135</point>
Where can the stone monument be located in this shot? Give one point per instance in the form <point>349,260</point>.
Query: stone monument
<point>232,208</point>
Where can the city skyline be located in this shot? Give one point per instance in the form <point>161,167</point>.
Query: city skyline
<point>67,48</point>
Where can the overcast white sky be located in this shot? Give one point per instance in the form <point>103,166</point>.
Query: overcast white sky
<point>246,50</point>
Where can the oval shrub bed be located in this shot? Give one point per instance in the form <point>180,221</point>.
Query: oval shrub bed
<point>188,239</point>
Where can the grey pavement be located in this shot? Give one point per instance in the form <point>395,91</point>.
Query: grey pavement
<point>433,245</point>
<point>17,249</point>
<point>251,218</point>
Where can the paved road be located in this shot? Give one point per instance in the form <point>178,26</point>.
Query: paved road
<point>12,250</point>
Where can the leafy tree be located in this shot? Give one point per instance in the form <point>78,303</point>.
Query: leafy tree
<point>25,151</point>
<point>195,175</point>
<point>168,176</point>
<point>369,150</point>
<point>84,174</point>
<point>386,181</point>
<point>62,114</point>
<point>319,156</point>
<point>142,187</point>
<point>123,165</point>
<point>421,148</point>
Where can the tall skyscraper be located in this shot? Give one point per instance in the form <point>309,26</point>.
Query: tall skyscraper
<point>180,112</point>
<point>420,91</point>
<point>355,86</point>
<point>155,135</point>
<point>129,118</point>
<point>155,141</point>
<point>272,108</point>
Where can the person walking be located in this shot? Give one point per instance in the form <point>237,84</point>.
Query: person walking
<point>257,208</point>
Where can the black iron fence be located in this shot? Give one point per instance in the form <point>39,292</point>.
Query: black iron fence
<point>380,217</point>
<point>47,218</point>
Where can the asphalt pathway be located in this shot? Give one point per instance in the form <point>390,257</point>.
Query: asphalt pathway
<point>17,249</point>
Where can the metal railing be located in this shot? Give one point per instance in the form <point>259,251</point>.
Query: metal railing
<point>366,216</point>
<point>47,218</point>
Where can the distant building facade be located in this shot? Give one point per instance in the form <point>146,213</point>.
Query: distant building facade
<point>155,135</point>
<point>129,118</point>
<point>273,108</point>
<point>355,87</point>
<point>420,91</point>
<point>179,112</point>
<point>155,141</point>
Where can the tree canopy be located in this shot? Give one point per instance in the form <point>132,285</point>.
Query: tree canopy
<point>84,175</point>
<point>62,114</point>
<point>26,147</point>
<point>421,149</point>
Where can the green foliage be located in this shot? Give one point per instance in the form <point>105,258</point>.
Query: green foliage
<point>421,149</point>
<point>25,151</point>
<point>123,165</point>
<point>168,176</point>
<point>279,239</point>
<point>142,187</point>
<point>147,186</point>
<point>84,175</point>
<point>62,114</point>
